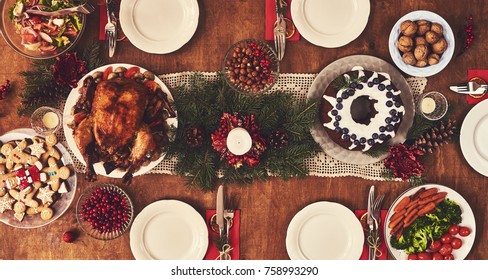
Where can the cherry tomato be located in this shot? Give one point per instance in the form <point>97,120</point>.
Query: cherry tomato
<point>435,245</point>
<point>437,256</point>
<point>151,85</point>
<point>413,257</point>
<point>456,243</point>
<point>131,71</point>
<point>107,71</point>
<point>464,231</point>
<point>445,249</point>
<point>424,256</point>
<point>454,229</point>
<point>449,257</point>
<point>446,238</point>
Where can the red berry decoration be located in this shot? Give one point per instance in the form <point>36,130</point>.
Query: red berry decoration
<point>69,237</point>
<point>4,89</point>
<point>467,35</point>
<point>106,210</point>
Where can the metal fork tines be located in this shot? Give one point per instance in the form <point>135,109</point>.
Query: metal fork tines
<point>376,210</point>
<point>110,31</point>
<point>280,37</point>
<point>374,235</point>
<point>84,9</point>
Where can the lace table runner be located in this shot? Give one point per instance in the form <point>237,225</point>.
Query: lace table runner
<point>320,165</point>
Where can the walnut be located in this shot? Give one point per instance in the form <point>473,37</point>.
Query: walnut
<point>423,26</point>
<point>409,58</point>
<point>408,28</point>
<point>405,44</point>
<point>437,28</point>
<point>421,52</point>
<point>420,40</point>
<point>421,63</point>
<point>432,37</point>
<point>433,59</point>
<point>440,47</point>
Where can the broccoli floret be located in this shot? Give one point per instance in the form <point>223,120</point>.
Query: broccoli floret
<point>449,211</point>
<point>399,244</point>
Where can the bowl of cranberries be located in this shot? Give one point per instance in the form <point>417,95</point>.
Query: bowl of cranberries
<point>104,211</point>
<point>251,66</point>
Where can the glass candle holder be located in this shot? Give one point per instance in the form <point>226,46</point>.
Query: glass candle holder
<point>46,120</point>
<point>432,105</point>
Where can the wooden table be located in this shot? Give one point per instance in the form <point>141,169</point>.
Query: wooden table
<point>267,207</point>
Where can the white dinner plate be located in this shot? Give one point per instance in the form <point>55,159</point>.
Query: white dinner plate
<point>68,118</point>
<point>324,231</point>
<point>467,220</point>
<point>161,26</point>
<point>64,200</point>
<point>474,138</point>
<point>330,23</point>
<point>169,230</point>
<point>339,67</point>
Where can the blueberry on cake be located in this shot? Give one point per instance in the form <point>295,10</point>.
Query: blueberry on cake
<point>361,109</point>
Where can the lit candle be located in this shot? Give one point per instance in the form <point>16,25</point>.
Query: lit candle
<point>239,141</point>
<point>428,105</point>
<point>50,120</point>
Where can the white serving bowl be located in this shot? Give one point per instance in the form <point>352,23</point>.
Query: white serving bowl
<point>428,70</point>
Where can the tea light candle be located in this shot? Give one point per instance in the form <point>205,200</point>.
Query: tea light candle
<point>50,120</point>
<point>239,141</point>
<point>428,105</point>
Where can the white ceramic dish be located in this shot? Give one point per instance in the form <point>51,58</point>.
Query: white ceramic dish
<point>474,138</point>
<point>467,215</point>
<point>161,26</point>
<point>330,23</point>
<point>68,118</point>
<point>169,230</point>
<point>61,204</point>
<point>331,72</point>
<point>427,70</point>
<point>324,231</point>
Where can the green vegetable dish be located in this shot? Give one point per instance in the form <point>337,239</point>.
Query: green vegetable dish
<point>417,237</point>
<point>46,34</point>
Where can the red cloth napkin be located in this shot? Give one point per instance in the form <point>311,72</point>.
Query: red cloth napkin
<point>383,249</point>
<point>212,251</point>
<point>103,20</point>
<point>483,74</point>
<point>271,19</point>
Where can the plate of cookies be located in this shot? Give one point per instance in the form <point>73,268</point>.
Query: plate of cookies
<point>37,182</point>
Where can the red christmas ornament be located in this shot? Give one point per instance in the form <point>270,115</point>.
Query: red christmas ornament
<point>404,161</point>
<point>69,237</point>
<point>219,140</point>
<point>4,89</point>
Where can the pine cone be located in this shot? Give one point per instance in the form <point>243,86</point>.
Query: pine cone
<point>194,136</point>
<point>436,136</point>
<point>278,139</point>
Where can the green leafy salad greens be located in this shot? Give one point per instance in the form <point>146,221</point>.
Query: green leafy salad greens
<point>417,237</point>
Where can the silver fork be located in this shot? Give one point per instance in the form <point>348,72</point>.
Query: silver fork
<point>376,219</point>
<point>84,9</point>
<point>110,31</point>
<point>279,30</point>
<point>229,220</point>
<point>472,87</point>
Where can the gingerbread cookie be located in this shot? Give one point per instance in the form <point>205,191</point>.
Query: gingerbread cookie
<point>46,195</point>
<point>4,176</point>
<point>46,212</point>
<point>37,148</point>
<point>55,174</point>
<point>6,203</point>
<point>16,156</point>
<point>24,178</point>
<point>25,197</point>
<point>51,140</point>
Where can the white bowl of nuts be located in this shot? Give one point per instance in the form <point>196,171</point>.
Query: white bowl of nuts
<point>421,43</point>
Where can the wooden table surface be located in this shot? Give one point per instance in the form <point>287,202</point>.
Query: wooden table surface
<point>267,207</point>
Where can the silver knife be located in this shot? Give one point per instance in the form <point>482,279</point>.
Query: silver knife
<point>370,221</point>
<point>220,209</point>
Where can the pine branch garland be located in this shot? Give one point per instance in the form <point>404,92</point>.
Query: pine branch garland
<point>202,102</point>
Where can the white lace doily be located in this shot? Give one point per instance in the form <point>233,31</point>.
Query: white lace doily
<point>320,165</point>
